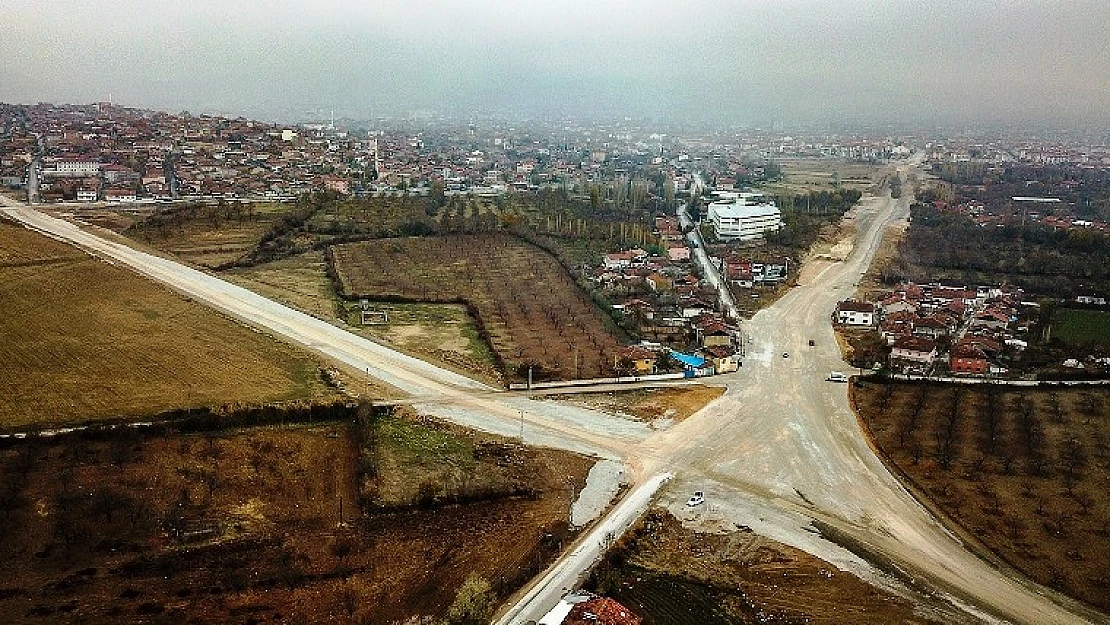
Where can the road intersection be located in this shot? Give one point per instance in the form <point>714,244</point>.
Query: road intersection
<point>781,450</point>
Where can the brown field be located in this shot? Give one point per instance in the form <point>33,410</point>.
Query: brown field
<point>85,340</point>
<point>674,403</point>
<point>530,309</point>
<point>802,175</point>
<point>1023,471</point>
<point>671,575</point>
<point>263,525</point>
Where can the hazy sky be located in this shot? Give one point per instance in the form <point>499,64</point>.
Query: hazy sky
<point>742,61</point>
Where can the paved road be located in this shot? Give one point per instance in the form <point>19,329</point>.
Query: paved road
<point>708,269</point>
<point>782,442</point>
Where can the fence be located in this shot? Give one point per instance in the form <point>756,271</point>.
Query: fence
<point>624,379</point>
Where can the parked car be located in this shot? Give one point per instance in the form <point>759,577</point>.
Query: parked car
<point>837,376</point>
<point>696,500</point>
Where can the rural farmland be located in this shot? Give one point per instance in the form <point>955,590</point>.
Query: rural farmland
<point>1022,471</point>
<point>527,306</point>
<point>87,341</point>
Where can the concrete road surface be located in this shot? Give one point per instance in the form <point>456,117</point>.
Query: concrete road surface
<point>782,443</point>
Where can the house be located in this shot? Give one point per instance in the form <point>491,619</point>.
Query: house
<point>1090,299</point>
<point>640,359</point>
<point>914,349</point>
<point>337,184</point>
<point>678,253</point>
<point>714,334</point>
<point>855,313</point>
<point>120,195</point>
<point>967,358</point>
<point>86,195</point>
<point>601,611</point>
<point>724,358</point>
<point>618,260</point>
<point>897,324</point>
<point>929,327</point>
<point>897,304</point>
<point>992,318</point>
<point>988,345</point>
<point>658,282</point>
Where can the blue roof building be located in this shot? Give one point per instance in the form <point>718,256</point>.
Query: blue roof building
<point>688,360</point>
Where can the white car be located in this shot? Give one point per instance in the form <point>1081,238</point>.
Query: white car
<point>837,376</point>
<point>697,499</point>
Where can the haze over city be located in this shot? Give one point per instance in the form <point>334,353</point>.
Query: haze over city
<point>741,62</point>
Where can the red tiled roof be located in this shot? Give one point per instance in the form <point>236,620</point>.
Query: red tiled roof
<point>856,305</point>
<point>915,344</point>
<point>601,611</point>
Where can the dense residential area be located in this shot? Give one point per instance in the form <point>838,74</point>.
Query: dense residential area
<point>107,152</point>
<point>936,330</point>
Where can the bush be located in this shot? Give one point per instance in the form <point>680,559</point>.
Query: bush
<point>473,603</point>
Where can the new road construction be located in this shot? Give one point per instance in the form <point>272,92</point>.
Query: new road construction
<point>781,451</point>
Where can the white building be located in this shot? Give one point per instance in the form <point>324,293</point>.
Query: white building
<point>72,167</point>
<point>855,313</point>
<point>743,216</point>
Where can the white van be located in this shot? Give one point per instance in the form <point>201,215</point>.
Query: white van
<point>837,376</point>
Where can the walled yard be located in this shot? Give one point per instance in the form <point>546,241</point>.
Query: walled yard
<point>1024,472</point>
<point>526,305</point>
<point>85,340</point>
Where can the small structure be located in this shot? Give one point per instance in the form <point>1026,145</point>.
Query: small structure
<point>120,195</point>
<point>1092,300</point>
<point>694,365</point>
<point>852,312</point>
<point>374,317</point>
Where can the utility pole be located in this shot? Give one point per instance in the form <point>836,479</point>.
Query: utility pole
<point>521,428</point>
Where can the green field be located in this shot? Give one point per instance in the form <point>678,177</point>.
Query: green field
<point>1079,327</point>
